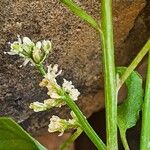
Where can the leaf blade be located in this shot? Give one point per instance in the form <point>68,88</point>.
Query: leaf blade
<point>80,13</point>
<point>13,137</point>
<point>128,111</point>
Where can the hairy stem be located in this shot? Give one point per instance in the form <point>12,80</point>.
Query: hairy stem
<point>134,63</point>
<point>71,139</point>
<point>145,133</point>
<point>109,75</point>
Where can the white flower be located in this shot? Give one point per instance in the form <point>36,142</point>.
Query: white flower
<point>52,87</point>
<point>70,89</point>
<point>37,106</point>
<point>27,41</point>
<point>50,81</point>
<point>38,45</point>
<point>57,125</point>
<point>48,104</point>
<point>53,103</point>
<point>60,125</point>
<point>53,72</point>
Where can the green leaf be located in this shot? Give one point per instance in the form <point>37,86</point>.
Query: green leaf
<point>13,137</point>
<point>80,13</point>
<point>128,111</point>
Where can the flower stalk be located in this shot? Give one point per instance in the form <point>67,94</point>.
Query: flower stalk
<point>41,69</point>
<point>71,139</point>
<point>109,74</point>
<point>134,64</point>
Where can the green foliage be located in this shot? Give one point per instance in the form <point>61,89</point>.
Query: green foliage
<point>13,137</point>
<point>128,111</point>
<point>80,13</point>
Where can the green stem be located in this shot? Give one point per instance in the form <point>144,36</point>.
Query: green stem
<point>109,75</point>
<point>71,139</point>
<point>134,63</point>
<point>145,133</point>
<point>124,140</point>
<point>41,69</point>
<point>84,123</point>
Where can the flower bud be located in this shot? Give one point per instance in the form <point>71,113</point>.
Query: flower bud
<point>16,47</point>
<point>28,46</point>
<point>37,106</point>
<point>47,46</point>
<point>38,55</point>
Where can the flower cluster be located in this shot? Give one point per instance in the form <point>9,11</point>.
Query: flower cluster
<point>70,89</point>
<point>30,51</point>
<point>36,53</point>
<point>60,125</point>
<point>48,104</point>
<point>56,99</point>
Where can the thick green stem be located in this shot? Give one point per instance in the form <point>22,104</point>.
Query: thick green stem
<point>41,69</point>
<point>84,123</point>
<point>145,133</point>
<point>134,63</point>
<point>71,139</point>
<point>109,75</point>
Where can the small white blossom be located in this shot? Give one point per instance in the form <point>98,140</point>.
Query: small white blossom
<point>37,106</point>
<point>60,125</point>
<point>27,41</point>
<point>53,72</point>
<point>48,104</point>
<point>57,125</point>
<point>38,45</point>
<point>53,103</point>
<point>52,88</point>
<point>70,89</point>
